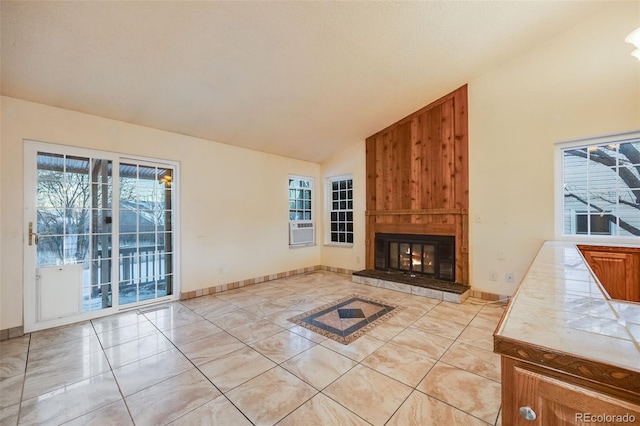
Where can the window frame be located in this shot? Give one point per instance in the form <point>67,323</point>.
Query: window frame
<point>329,206</point>
<point>311,200</point>
<point>559,198</point>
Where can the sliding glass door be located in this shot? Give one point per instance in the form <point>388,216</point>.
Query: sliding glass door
<point>81,259</point>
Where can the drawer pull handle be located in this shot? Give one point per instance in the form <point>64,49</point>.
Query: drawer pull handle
<point>527,413</point>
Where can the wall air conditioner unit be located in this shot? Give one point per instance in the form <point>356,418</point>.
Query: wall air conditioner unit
<point>301,233</point>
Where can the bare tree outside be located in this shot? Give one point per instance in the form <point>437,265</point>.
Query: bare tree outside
<point>602,189</point>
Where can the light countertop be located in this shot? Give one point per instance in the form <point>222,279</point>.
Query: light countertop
<point>561,306</point>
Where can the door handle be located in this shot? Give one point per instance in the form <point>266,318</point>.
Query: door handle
<point>33,236</point>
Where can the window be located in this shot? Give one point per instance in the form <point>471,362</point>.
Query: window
<point>300,196</point>
<point>601,186</point>
<point>340,199</point>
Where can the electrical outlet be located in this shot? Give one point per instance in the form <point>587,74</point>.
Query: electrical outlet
<point>478,218</point>
<point>508,277</point>
<point>501,255</point>
<point>493,276</point>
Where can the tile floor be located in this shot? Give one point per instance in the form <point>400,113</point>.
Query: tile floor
<point>234,359</point>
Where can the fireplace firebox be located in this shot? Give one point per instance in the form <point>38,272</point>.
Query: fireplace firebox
<point>417,255</point>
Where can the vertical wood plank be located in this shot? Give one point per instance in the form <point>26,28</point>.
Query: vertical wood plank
<point>421,163</point>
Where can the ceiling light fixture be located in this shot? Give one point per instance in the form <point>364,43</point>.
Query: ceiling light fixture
<point>634,38</point>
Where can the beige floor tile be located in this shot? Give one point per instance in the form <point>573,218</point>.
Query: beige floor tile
<point>271,396</point>
<point>479,337</point>
<point>479,361</point>
<point>111,322</point>
<point>82,346</point>
<point>488,318</point>
<point>237,293</point>
<point>461,312</point>
<point>399,363</point>
<point>282,346</point>
<point>308,334</point>
<point>11,390</point>
<point>235,368</point>
<point>118,336</point>
<point>218,412</point>
<point>248,299</point>
<point>191,332</point>
<point>137,349</point>
<point>255,331</point>
<point>319,366</point>
<point>427,344</point>
<point>9,415</point>
<point>423,410</point>
<point>282,318</point>
<point>371,395</point>
<point>220,308</point>
<point>13,364</point>
<point>210,305</point>
<point>70,402</point>
<point>480,396</point>
<point>417,302</point>
<point>197,303</point>
<point>148,368</point>
<point>44,377</point>
<point>178,319</point>
<point>210,348</point>
<point>13,347</point>
<point>358,349</point>
<point>149,371</point>
<point>265,308</point>
<point>171,398</point>
<point>61,334</point>
<point>322,411</point>
<point>499,421</point>
<point>407,317</point>
<point>233,319</point>
<point>386,331</point>
<point>435,323</point>
<point>114,414</point>
<point>155,312</point>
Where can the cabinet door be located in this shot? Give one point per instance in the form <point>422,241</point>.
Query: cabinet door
<point>558,403</point>
<point>616,273</point>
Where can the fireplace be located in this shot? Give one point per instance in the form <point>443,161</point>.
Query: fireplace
<point>430,256</point>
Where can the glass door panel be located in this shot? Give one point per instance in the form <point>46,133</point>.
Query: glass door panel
<point>146,237</point>
<point>74,223</point>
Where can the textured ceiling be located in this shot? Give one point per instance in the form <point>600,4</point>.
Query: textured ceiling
<point>299,79</point>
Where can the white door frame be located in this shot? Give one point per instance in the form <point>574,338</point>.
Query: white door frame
<point>31,148</point>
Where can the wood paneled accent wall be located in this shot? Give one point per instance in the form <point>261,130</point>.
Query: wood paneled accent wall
<point>418,177</point>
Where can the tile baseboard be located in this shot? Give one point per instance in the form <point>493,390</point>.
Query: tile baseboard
<point>10,333</point>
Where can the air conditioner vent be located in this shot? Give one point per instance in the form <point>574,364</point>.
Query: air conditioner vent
<point>301,233</point>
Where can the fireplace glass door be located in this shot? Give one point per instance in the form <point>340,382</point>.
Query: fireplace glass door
<point>412,257</point>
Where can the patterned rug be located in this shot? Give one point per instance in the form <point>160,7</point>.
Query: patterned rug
<point>347,319</point>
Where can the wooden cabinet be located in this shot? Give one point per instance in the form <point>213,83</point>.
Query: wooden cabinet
<point>549,398</point>
<point>617,268</point>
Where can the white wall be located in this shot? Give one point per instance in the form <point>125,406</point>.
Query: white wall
<point>350,161</point>
<point>580,83</point>
<point>234,202</point>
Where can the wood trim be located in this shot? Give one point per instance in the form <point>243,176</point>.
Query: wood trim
<point>417,175</point>
<point>593,371</point>
<point>417,212</point>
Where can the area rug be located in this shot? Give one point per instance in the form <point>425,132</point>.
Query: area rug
<point>347,319</point>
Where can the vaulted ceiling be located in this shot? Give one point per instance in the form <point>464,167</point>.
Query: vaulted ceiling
<point>299,79</point>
